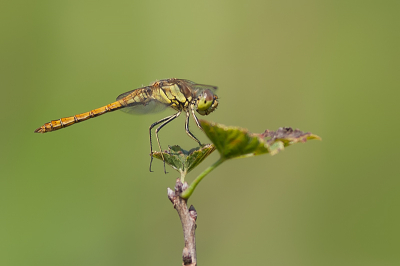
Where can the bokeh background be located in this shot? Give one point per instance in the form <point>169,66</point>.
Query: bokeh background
<point>84,195</point>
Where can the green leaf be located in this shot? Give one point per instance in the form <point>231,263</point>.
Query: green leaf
<point>184,161</point>
<point>235,142</point>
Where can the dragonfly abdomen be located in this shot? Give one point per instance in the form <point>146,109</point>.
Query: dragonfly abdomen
<point>70,120</point>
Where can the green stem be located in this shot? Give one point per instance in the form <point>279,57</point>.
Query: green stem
<point>183,174</point>
<point>188,192</point>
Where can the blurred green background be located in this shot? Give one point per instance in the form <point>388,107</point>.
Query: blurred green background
<point>84,195</point>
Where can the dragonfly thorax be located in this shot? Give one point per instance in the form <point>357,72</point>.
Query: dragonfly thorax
<point>206,102</point>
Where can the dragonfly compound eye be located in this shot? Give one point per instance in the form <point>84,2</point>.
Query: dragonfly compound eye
<point>206,102</point>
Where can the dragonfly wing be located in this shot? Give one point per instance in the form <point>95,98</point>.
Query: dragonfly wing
<point>124,94</point>
<point>200,87</point>
<point>149,106</point>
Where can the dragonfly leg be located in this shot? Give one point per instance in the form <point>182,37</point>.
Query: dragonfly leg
<point>187,128</point>
<point>195,118</point>
<point>151,144</point>
<point>167,120</point>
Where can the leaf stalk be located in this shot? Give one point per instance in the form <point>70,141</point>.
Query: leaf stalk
<point>189,191</point>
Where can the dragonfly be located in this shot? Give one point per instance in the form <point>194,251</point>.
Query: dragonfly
<point>182,95</point>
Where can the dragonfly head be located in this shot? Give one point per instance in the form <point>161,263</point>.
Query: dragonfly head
<point>206,102</point>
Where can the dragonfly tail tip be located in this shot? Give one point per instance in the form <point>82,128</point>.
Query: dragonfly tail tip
<point>39,130</point>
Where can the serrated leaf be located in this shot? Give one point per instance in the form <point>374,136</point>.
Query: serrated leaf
<point>235,142</point>
<point>184,161</point>
<point>288,136</point>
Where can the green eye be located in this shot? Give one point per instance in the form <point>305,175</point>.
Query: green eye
<point>206,102</point>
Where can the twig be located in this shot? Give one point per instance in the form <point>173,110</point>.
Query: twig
<point>188,219</point>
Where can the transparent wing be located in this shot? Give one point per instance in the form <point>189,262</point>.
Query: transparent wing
<point>152,106</point>
<point>145,107</point>
<point>199,87</point>
<point>124,94</point>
